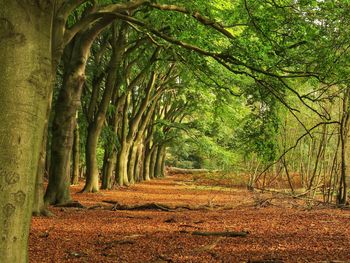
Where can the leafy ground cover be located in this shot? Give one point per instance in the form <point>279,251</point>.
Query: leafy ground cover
<point>280,229</point>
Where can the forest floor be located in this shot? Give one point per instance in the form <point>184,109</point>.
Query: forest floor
<point>280,229</point>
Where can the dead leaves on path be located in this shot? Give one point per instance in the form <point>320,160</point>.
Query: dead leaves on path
<point>157,222</point>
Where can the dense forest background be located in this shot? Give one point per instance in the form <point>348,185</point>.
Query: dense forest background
<point>112,92</point>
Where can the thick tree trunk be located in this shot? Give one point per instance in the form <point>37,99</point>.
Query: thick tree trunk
<point>76,157</point>
<point>67,104</point>
<point>25,86</point>
<point>62,138</point>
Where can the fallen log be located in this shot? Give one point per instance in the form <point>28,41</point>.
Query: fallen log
<point>175,170</point>
<point>221,234</point>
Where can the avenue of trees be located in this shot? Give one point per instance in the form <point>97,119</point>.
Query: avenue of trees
<point>110,91</point>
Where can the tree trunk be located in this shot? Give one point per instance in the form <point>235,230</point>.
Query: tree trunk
<point>153,161</point>
<point>147,164</point>
<point>76,156</point>
<point>139,163</point>
<point>62,138</point>
<point>343,133</point>
<point>108,169</point>
<point>132,162</point>
<point>122,170</point>
<point>92,173</point>
<point>25,86</point>
<point>158,172</point>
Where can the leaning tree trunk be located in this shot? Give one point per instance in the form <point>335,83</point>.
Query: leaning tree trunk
<point>25,86</point>
<point>75,58</point>
<point>62,138</point>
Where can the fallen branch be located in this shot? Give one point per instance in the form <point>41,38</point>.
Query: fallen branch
<point>150,206</point>
<point>162,207</point>
<point>221,234</point>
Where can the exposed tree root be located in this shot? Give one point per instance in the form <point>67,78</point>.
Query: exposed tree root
<point>221,234</point>
<point>71,204</point>
<point>43,212</point>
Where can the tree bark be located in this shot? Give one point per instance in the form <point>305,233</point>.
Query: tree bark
<point>76,157</point>
<point>25,86</point>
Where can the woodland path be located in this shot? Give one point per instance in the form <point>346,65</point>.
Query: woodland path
<point>280,230</point>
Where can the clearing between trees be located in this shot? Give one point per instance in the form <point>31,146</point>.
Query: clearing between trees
<point>182,218</point>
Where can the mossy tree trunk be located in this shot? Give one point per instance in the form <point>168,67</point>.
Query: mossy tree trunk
<point>25,85</point>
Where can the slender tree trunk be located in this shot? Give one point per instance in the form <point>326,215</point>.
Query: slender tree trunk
<point>163,162</point>
<point>159,162</point>
<point>122,170</point>
<point>108,169</point>
<point>342,189</point>
<point>76,156</point>
<point>147,164</point>
<point>25,85</point>
<point>132,162</point>
<point>152,168</point>
<point>139,163</point>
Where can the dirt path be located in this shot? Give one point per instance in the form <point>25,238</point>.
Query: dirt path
<point>276,233</point>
